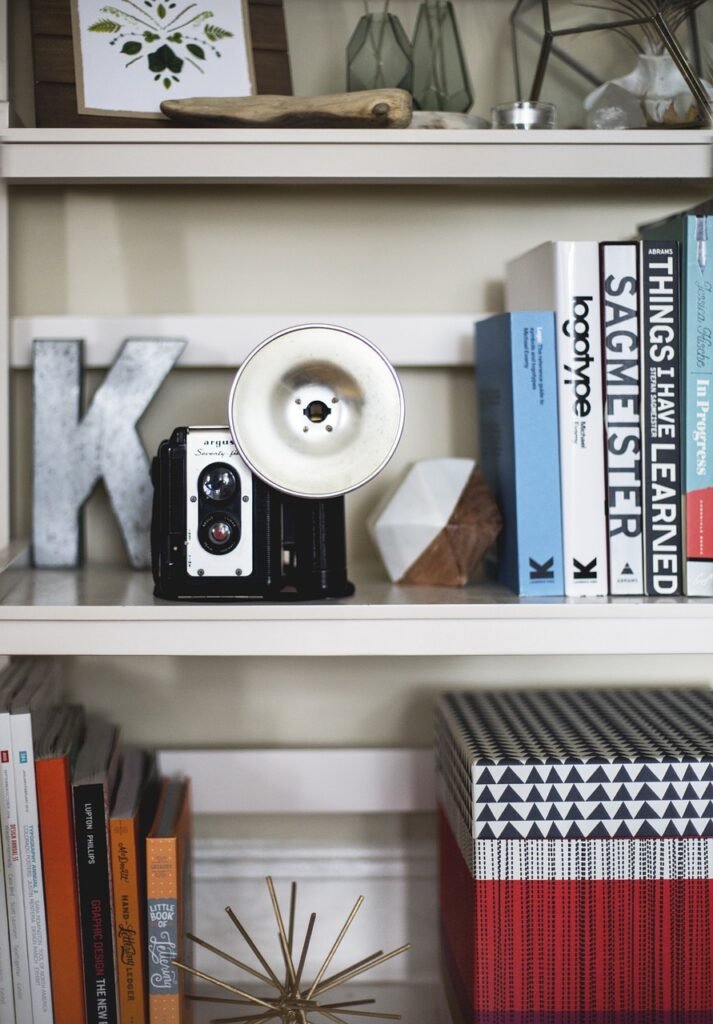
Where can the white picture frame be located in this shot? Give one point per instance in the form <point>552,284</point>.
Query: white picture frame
<point>132,54</point>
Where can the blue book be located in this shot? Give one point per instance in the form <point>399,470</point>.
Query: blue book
<point>516,376</point>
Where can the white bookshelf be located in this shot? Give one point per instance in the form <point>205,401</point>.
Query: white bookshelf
<point>100,611</point>
<point>331,156</point>
<point>111,611</point>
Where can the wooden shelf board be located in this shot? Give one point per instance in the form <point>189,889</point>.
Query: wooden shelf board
<point>108,611</point>
<point>191,155</point>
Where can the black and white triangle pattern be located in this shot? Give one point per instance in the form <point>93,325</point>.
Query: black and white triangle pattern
<point>622,764</point>
<point>592,857</point>
<point>522,801</point>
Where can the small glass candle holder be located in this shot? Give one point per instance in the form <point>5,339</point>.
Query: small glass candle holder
<point>525,115</point>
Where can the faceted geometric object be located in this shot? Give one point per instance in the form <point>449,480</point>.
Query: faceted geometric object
<point>379,55</point>
<point>439,119</point>
<point>437,525</point>
<point>440,74</point>
<point>612,106</point>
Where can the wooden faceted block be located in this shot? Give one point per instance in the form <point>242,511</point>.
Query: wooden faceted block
<point>437,525</point>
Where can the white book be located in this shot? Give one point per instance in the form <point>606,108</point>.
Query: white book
<point>11,855</point>
<point>622,405</point>
<point>564,277</point>
<point>40,690</point>
<point>7,1000</point>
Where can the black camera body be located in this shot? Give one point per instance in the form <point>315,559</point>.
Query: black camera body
<point>218,532</point>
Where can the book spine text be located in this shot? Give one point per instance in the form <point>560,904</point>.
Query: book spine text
<point>661,394</point>
<point>622,410</point>
<point>95,903</point>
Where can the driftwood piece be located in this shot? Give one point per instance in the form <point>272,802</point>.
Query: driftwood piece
<point>372,108</point>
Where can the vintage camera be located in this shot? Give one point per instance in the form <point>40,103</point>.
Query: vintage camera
<point>256,509</point>
<point>218,531</point>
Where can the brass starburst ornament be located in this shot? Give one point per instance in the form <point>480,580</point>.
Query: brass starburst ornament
<point>292,1001</point>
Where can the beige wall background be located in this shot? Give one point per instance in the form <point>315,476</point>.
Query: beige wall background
<point>254,250</point>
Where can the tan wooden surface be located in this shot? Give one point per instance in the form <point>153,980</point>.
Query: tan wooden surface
<point>372,108</point>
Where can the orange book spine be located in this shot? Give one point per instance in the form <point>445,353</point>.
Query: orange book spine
<point>128,920</point>
<point>167,892</point>
<point>54,802</point>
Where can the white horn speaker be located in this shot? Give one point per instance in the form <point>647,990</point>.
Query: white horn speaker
<point>316,411</point>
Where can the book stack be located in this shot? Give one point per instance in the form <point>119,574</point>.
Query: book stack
<point>576,841</point>
<point>83,822</point>
<point>595,415</point>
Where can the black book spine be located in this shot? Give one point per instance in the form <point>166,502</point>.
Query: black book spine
<point>661,418</point>
<point>94,884</point>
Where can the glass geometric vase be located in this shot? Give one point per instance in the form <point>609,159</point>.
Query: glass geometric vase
<point>440,74</point>
<point>379,54</point>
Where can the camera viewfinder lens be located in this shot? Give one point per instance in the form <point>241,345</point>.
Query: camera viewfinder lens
<point>218,482</point>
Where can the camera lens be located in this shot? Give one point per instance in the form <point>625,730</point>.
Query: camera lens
<point>218,482</point>
<point>219,533</point>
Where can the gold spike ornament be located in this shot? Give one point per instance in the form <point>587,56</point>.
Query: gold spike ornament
<point>292,1001</point>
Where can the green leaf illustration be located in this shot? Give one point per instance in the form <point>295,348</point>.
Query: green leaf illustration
<point>151,37</point>
<point>131,48</point>
<point>197,19</point>
<point>215,32</point>
<point>165,59</point>
<point>161,11</point>
<point>167,83</point>
<point>105,25</point>
<point>124,16</point>
<point>177,37</point>
<point>197,51</point>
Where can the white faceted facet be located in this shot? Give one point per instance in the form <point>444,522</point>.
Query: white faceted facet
<point>414,514</point>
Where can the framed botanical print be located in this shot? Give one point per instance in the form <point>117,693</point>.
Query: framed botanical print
<point>101,63</point>
<point>131,55</point>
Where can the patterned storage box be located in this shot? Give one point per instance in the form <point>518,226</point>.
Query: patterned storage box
<point>576,836</point>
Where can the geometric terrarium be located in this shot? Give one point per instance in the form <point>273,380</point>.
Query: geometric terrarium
<point>652,51</point>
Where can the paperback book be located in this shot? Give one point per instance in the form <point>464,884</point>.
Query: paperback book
<point>131,817</point>
<point>694,233</point>
<point>622,410</point>
<point>40,690</point>
<point>661,421</point>
<point>58,736</point>
<point>30,683</point>
<point>169,908</point>
<point>93,784</point>
<point>13,680</point>
<point>519,447</point>
<point>8,679</point>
